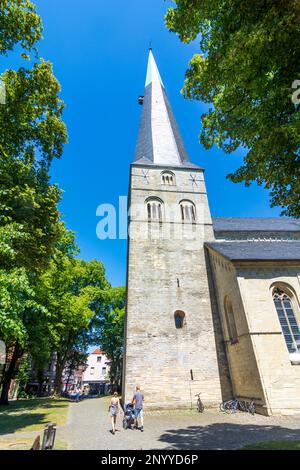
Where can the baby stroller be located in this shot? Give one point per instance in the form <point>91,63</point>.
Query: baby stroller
<point>128,420</point>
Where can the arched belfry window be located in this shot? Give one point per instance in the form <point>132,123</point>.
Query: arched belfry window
<point>230,320</point>
<point>286,306</point>
<point>168,178</point>
<point>154,209</point>
<point>179,317</point>
<point>188,211</point>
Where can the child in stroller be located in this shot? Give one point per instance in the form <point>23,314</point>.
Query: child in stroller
<point>128,420</point>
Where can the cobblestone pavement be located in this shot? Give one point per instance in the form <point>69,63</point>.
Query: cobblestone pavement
<point>89,429</point>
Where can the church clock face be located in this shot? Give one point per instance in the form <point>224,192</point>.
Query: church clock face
<point>143,175</point>
<point>195,181</point>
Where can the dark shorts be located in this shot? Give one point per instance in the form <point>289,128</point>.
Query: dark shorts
<point>138,413</point>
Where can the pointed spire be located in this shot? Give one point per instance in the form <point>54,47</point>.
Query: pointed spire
<point>153,74</point>
<point>159,140</point>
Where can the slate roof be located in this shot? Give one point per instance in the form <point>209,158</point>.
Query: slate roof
<point>258,251</point>
<point>255,224</point>
<point>159,140</point>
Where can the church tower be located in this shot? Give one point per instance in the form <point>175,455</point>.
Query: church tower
<point>171,331</point>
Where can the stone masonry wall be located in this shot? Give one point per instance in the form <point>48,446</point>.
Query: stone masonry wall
<point>260,364</point>
<point>244,372</point>
<point>280,378</point>
<point>165,274</point>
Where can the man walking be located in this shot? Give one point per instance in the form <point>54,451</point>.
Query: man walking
<point>137,401</point>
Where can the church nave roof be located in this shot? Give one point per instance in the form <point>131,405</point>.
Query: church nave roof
<point>257,251</point>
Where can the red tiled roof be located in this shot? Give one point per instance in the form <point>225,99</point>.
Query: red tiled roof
<point>98,351</point>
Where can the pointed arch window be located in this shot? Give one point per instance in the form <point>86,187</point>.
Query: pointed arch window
<point>168,178</point>
<point>188,212</point>
<point>154,209</point>
<point>286,305</point>
<point>230,320</point>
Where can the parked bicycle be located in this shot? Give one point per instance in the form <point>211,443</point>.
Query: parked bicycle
<point>247,406</point>
<point>229,406</point>
<point>232,406</point>
<point>200,406</point>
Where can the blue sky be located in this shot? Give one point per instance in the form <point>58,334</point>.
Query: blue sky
<point>99,50</point>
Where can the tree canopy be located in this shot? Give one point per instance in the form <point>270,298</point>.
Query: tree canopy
<point>32,134</point>
<point>68,289</point>
<point>19,24</point>
<point>52,304</point>
<point>108,328</point>
<point>249,58</point>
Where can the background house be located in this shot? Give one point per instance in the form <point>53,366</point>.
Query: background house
<point>96,372</point>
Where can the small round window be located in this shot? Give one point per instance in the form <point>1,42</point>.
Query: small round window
<point>179,318</point>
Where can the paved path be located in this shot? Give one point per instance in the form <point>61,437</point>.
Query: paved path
<point>89,429</point>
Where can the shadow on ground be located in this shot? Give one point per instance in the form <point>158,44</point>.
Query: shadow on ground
<point>224,436</point>
<point>11,424</point>
<point>22,414</point>
<point>31,405</point>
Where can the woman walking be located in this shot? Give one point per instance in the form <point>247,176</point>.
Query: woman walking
<point>114,409</point>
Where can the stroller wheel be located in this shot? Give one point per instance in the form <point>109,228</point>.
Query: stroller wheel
<point>125,425</point>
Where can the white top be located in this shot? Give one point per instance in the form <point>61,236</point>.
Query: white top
<point>165,150</point>
<point>153,74</point>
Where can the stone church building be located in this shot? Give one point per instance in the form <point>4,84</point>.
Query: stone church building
<point>212,303</point>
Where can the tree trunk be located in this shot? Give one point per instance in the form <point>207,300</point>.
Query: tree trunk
<point>69,376</point>
<point>40,379</point>
<point>9,374</point>
<point>61,360</point>
<point>60,365</point>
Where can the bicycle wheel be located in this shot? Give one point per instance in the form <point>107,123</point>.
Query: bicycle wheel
<point>234,406</point>
<point>222,407</point>
<point>229,407</point>
<point>242,405</point>
<point>251,408</point>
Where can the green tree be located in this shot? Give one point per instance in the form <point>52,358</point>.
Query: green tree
<point>48,312</point>
<point>70,287</point>
<point>19,24</point>
<point>248,62</point>
<point>32,134</point>
<point>22,377</point>
<point>108,328</point>
<point>23,321</point>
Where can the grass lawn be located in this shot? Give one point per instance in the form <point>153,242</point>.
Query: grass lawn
<point>274,445</point>
<point>32,415</point>
<point>19,443</point>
